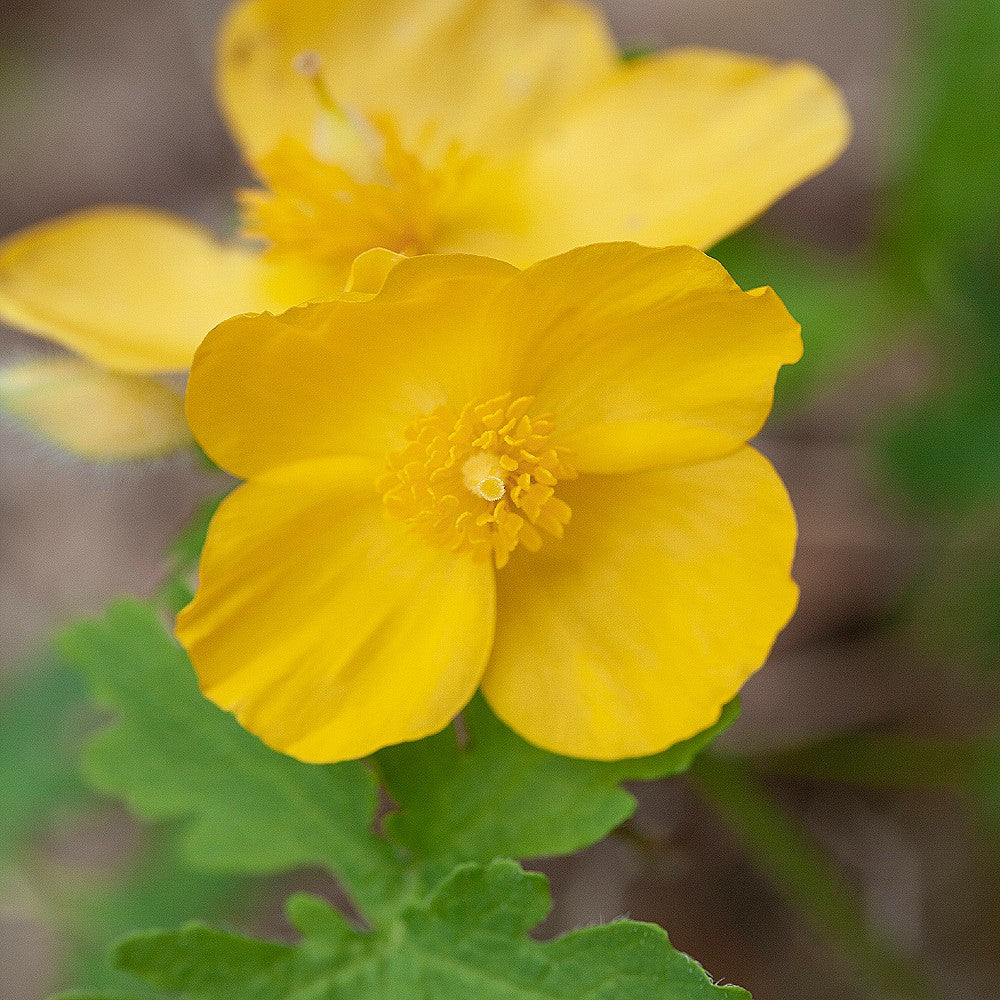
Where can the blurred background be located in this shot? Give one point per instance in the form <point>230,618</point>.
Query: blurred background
<point>841,840</point>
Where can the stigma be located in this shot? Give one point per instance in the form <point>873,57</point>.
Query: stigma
<point>483,476</point>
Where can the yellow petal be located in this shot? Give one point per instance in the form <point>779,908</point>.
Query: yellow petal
<point>664,597</point>
<point>681,148</point>
<point>369,271</point>
<point>128,288</point>
<point>345,376</point>
<point>491,73</point>
<point>644,357</point>
<point>329,631</point>
<point>97,414</point>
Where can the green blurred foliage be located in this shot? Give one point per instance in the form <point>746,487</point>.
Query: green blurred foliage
<point>42,720</point>
<point>943,456</point>
<point>969,768</point>
<point>942,212</point>
<point>942,226</point>
<point>45,718</point>
<point>848,310</point>
<point>158,890</point>
<point>955,615</point>
<point>803,873</point>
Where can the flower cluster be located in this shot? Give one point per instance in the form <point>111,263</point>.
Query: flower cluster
<point>483,446</point>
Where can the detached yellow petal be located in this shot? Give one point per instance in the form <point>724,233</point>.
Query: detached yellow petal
<point>491,73</point>
<point>681,148</point>
<point>100,415</point>
<point>329,631</point>
<point>345,377</point>
<point>645,357</point>
<point>128,288</point>
<point>664,597</point>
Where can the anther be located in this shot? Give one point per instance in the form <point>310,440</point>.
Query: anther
<point>508,489</point>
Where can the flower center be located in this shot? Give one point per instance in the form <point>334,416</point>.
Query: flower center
<point>481,479</point>
<point>484,476</point>
<point>360,184</point>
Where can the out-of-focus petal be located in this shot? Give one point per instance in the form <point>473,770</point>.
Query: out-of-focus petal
<point>97,414</point>
<point>128,288</point>
<point>681,148</point>
<point>489,73</point>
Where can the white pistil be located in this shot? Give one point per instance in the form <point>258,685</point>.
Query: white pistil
<point>341,133</point>
<point>483,476</point>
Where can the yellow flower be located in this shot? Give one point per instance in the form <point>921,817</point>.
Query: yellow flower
<point>502,127</point>
<point>535,481</point>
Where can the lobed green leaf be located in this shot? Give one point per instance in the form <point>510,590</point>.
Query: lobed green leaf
<point>174,755</point>
<point>498,796</point>
<point>468,939</point>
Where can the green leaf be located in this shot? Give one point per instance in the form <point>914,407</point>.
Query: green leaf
<point>469,939</point>
<point>499,796</point>
<point>846,308</point>
<point>42,718</point>
<point>174,755</point>
<point>159,891</point>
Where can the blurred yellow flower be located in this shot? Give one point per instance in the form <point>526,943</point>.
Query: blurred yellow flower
<point>535,481</point>
<point>504,127</point>
<point>100,415</point>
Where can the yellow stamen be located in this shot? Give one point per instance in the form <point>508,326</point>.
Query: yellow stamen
<point>358,184</point>
<point>481,479</point>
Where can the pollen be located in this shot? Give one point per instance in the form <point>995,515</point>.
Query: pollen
<point>481,478</point>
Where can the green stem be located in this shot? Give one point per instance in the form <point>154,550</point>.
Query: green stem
<point>882,762</point>
<point>804,874</point>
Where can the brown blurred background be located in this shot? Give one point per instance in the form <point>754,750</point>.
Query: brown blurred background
<point>110,102</point>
